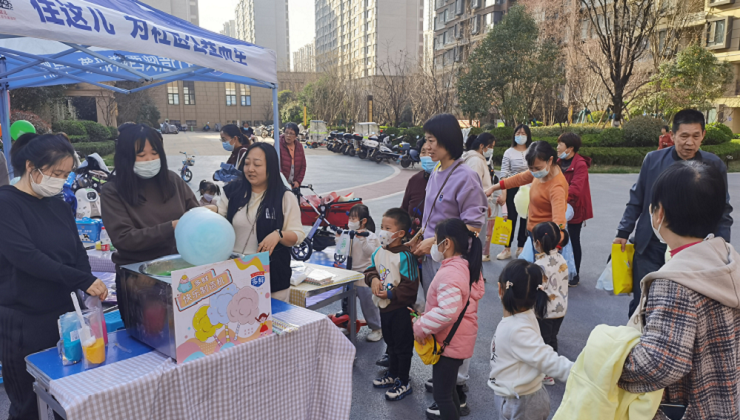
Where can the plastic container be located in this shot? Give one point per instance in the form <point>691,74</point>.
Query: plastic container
<point>104,240</point>
<point>70,347</point>
<point>94,315</point>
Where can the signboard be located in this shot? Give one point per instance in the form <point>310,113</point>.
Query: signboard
<point>221,305</point>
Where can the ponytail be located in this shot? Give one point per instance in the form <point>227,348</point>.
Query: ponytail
<point>233,131</point>
<point>465,242</point>
<point>362,212</point>
<point>549,236</point>
<point>522,283</point>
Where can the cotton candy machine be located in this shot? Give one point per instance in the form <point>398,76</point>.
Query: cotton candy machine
<point>145,299</point>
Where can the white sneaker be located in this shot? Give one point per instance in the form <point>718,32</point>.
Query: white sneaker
<point>504,255</point>
<point>548,380</point>
<point>375,335</point>
<point>519,252</point>
<point>486,258</point>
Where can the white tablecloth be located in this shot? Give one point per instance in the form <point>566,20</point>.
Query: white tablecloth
<point>306,374</point>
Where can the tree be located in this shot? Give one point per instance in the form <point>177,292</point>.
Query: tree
<point>138,106</point>
<point>622,29</point>
<point>391,85</point>
<point>510,70</point>
<point>432,92</point>
<point>695,79</point>
<point>35,99</point>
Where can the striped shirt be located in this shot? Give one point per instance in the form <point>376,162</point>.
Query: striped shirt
<point>513,163</point>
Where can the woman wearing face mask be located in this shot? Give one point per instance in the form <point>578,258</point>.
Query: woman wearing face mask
<point>41,261</point>
<point>143,202</point>
<point>575,168</point>
<point>413,198</point>
<point>265,214</point>
<point>513,163</point>
<point>478,152</point>
<point>234,141</point>
<point>549,192</point>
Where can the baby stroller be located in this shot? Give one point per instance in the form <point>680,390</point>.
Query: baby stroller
<point>321,213</point>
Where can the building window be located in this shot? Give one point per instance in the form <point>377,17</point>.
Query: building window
<point>246,95</point>
<point>188,93</point>
<point>717,31</point>
<point>173,96</point>
<point>230,94</point>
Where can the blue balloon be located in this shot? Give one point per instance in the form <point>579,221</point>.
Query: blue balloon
<point>204,237</point>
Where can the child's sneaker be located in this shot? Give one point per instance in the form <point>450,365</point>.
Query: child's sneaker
<point>399,391</point>
<point>548,380</point>
<point>385,381</point>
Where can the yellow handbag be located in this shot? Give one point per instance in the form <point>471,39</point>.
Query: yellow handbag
<point>622,268</point>
<point>428,352</point>
<point>501,232</point>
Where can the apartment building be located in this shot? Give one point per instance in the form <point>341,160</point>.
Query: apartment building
<point>304,59</point>
<point>722,36</point>
<point>229,28</point>
<point>183,9</point>
<point>356,37</point>
<point>265,23</point>
<point>460,24</point>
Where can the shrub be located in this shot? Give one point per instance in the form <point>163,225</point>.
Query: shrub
<point>505,134</point>
<point>78,139</point>
<point>97,132</point>
<point>611,137</point>
<point>412,133</point>
<point>41,126</point>
<point>596,115</point>
<point>723,150</point>
<point>113,133</point>
<point>642,131</point>
<point>717,133</point>
<point>102,148</point>
<point>391,130</point>
<point>70,128</point>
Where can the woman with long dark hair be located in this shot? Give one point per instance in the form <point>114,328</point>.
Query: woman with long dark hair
<point>41,261</point>
<point>265,214</point>
<point>143,201</point>
<point>233,140</point>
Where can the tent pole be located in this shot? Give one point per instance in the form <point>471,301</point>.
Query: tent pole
<point>276,120</point>
<point>5,118</point>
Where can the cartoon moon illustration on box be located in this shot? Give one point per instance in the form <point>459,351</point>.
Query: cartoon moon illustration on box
<point>219,306</point>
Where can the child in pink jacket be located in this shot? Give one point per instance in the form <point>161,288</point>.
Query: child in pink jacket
<point>456,289</point>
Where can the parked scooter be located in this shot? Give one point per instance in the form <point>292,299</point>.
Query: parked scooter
<point>409,155</point>
<point>385,152</point>
<point>368,147</point>
<point>207,127</point>
<point>355,144</point>
<point>347,146</point>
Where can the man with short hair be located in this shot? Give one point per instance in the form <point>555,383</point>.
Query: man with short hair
<point>688,133</point>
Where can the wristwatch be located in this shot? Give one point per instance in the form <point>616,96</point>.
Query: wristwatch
<point>280,232</point>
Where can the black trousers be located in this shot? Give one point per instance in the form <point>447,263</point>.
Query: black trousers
<point>574,231</point>
<point>444,378</point>
<point>521,237</point>
<point>643,264</point>
<point>549,329</point>
<point>398,334</point>
<point>22,334</point>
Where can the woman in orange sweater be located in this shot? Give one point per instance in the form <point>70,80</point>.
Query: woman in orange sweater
<point>548,195</point>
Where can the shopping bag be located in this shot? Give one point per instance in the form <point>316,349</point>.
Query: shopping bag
<point>567,253</point>
<point>501,232</point>
<point>622,268</point>
<point>605,279</point>
<point>342,247</point>
<point>528,251</point>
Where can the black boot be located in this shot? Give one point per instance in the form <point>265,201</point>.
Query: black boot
<point>464,409</point>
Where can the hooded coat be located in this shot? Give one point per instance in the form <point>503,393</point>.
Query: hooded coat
<point>579,190</point>
<point>689,316</point>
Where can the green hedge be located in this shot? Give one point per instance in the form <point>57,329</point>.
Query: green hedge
<point>69,127</point>
<point>79,139</point>
<point>723,150</point>
<point>102,148</point>
<point>97,132</point>
<point>642,131</point>
<point>717,133</point>
<point>113,133</point>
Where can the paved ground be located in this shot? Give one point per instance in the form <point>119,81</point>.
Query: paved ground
<point>588,307</point>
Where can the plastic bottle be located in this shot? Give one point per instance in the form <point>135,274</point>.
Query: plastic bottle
<point>104,240</point>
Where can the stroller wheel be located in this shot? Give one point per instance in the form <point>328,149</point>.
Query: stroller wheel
<point>302,251</point>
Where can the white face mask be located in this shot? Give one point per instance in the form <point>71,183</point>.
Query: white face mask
<point>147,170</point>
<point>488,154</point>
<point>49,186</point>
<point>385,237</point>
<point>437,255</point>
<point>520,140</point>
<point>208,197</point>
<point>656,231</point>
<point>353,225</point>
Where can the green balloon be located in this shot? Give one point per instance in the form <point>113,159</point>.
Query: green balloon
<point>20,128</point>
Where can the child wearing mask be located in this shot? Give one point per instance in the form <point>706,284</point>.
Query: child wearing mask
<point>394,278</point>
<point>208,192</point>
<point>546,236</point>
<point>363,248</point>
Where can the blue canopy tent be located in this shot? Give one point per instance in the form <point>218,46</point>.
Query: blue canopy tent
<point>54,42</point>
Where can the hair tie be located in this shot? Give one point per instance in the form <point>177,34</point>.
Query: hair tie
<point>541,287</point>
<point>509,284</point>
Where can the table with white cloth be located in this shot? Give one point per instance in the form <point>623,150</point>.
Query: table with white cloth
<point>304,374</point>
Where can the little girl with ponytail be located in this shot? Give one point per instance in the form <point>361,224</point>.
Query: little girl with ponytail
<point>451,315</point>
<point>519,356</point>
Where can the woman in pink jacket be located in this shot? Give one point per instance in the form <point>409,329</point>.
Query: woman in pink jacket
<point>452,298</point>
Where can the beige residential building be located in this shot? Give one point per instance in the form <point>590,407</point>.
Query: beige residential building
<point>358,36</point>
<point>722,36</point>
<point>304,59</point>
<point>460,24</point>
<point>265,23</point>
<point>196,103</point>
<point>229,28</point>
<point>183,9</point>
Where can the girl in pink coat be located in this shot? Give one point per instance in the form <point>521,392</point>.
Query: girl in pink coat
<point>454,294</point>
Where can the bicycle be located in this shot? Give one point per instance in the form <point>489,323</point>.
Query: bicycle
<point>185,173</point>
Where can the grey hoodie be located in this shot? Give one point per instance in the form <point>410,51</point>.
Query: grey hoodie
<point>709,268</point>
